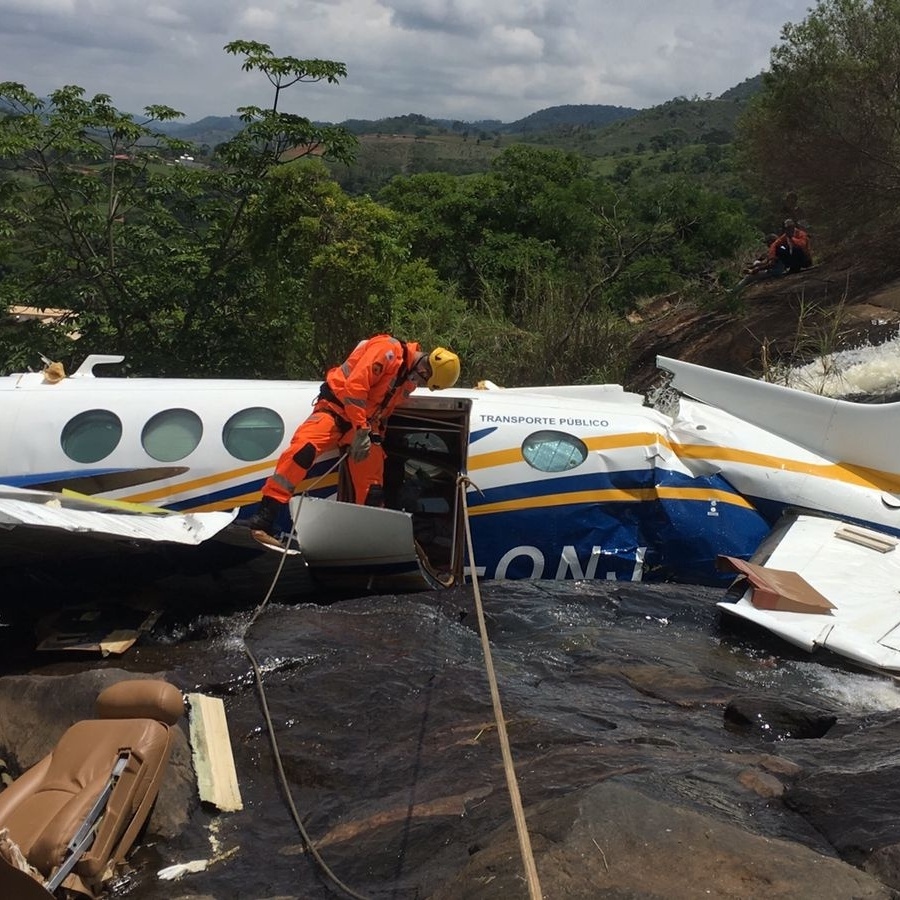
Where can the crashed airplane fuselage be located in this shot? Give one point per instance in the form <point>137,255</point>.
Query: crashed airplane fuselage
<point>557,482</point>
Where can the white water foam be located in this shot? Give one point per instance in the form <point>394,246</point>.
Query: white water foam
<point>866,370</point>
<point>852,691</point>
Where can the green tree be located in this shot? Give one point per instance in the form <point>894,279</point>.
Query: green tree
<point>549,258</point>
<point>152,259</point>
<point>341,264</point>
<point>827,122</point>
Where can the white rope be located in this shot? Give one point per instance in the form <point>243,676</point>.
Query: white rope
<point>534,885</point>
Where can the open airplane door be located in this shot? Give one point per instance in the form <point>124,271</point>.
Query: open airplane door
<point>416,541</point>
<point>352,547</point>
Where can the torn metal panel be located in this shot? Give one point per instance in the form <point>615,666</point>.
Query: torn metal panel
<point>47,510</point>
<point>362,547</point>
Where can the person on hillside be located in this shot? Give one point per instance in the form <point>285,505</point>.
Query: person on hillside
<point>787,252</point>
<point>760,267</point>
<point>354,404</point>
<point>791,249</point>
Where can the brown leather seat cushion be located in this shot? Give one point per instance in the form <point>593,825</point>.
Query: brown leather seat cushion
<point>45,807</point>
<point>142,698</point>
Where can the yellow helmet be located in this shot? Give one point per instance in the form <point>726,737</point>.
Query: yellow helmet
<point>444,365</point>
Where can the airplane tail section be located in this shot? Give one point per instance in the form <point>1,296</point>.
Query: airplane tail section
<point>856,434</point>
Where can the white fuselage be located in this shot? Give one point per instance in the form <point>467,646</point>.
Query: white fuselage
<point>577,482</point>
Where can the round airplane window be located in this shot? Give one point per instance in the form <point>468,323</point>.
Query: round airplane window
<point>253,433</point>
<point>553,451</point>
<point>172,434</point>
<point>91,436</point>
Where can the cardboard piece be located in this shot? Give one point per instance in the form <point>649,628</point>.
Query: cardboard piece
<point>777,589</point>
<point>96,630</point>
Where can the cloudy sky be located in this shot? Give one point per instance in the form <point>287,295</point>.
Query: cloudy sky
<point>461,59</point>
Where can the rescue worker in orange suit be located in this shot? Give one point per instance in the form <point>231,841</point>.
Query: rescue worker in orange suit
<point>352,409</point>
<point>789,252</point>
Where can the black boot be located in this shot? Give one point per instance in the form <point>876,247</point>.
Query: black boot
<point>266,515</point>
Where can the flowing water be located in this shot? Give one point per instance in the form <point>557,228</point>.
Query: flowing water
<point>864,373</point>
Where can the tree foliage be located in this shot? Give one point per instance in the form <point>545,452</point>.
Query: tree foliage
<point>342,263</point>
<point>258,263</point>
<point>151,258</point>
<point>827,123</point>
<point>550,257</point>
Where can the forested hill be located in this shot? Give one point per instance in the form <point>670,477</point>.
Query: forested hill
<point>586,114</point>
<point>209,130</point>
<point>212,130</point>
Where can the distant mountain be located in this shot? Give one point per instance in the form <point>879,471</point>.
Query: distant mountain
<point>209,130</point>
<point>587,115</point>
<point>672,124</point>
<point>215,129</point>
<point>212,130</point>
<point>567,116</point>
<point>417,125</point>
<point>745,90</point>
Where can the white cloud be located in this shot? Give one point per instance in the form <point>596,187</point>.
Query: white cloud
<point>165,15</point>
<point>469,59</point>
<point>37,7</point>
<point>257,17</point>
<point>516,44</point>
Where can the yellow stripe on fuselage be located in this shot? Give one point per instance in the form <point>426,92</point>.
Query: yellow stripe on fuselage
<point>207,481</point>
<point>221,478</point>
<point>843,472</point>
<point>846,473</point>
<point>610,495</point>
<point>839,472</point>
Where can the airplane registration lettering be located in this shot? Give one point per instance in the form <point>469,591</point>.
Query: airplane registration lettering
<point>569,564</point>
<point>532,553</point>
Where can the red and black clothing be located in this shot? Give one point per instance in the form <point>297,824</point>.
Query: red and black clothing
<point>791,249</point>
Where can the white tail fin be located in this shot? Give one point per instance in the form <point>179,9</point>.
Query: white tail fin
<point>851,433</point>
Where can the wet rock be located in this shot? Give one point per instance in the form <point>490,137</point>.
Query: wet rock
<point>687,690</point>
<point>775,720</point>
<point>780,766</point>
<point>779,320</point>
<point>614,841</point>
<point>884,864</point>
<point>761,783</point>
<point>633,787</point>
<point>856,811</point>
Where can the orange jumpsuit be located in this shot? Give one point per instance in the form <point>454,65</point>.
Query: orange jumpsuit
<point>360,393</point>
<point>792,248</point>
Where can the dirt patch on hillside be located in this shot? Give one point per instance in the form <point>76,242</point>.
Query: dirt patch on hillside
<point>793,319</point>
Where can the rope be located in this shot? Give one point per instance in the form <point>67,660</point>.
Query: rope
<point>534,886</point>
<point>270,727</point>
